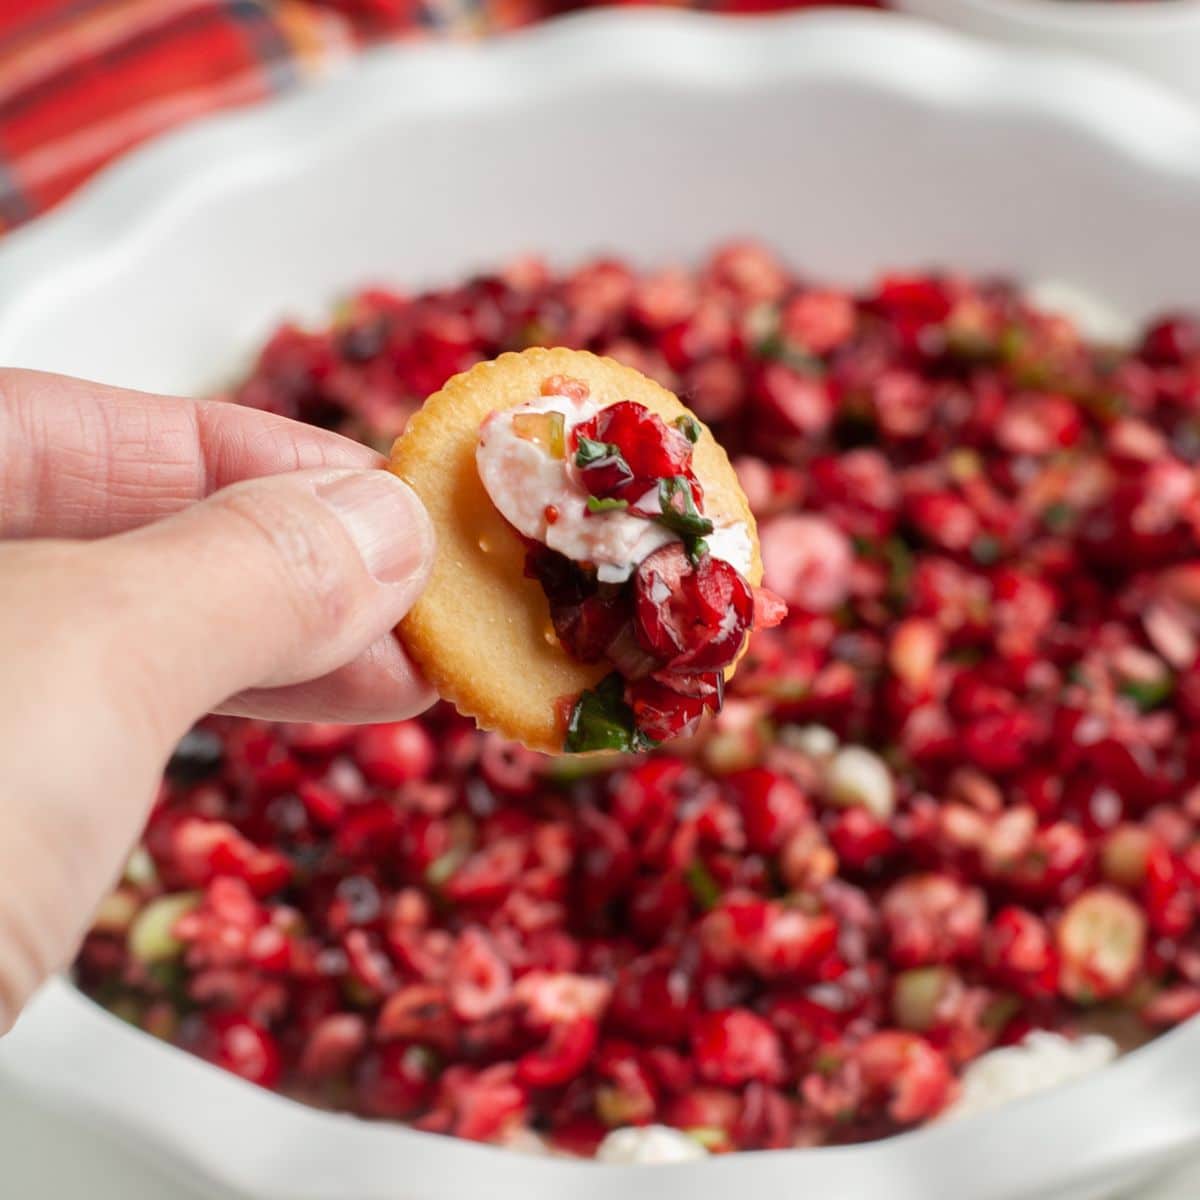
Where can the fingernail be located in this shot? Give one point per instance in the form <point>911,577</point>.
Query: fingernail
<point>386,521</point>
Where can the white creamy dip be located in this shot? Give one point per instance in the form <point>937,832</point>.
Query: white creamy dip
<point>526,483</point>
<point>649,1145</point>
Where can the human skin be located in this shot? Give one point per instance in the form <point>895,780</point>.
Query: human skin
<point>162,558</point>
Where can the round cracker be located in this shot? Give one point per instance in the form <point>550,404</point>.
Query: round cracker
<point>481,632</point>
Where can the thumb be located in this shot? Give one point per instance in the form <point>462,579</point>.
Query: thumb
<point>112,648</point>
<point>271,582</point>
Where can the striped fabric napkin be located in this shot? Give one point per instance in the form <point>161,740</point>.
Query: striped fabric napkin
<point>82,81</point>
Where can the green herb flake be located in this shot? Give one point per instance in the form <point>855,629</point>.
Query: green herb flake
<point>438,873</point>
<point>588,452</point>
<point>601,720</point>
<point>1148,694</point>
<point>710,1137</point>
<point>986,550</point>
<point>704,888</point>
<point>679,512</point>
<point>1058,518</point>
<point>597,504</point>
<point>689,427</point>
<point>901,566</point>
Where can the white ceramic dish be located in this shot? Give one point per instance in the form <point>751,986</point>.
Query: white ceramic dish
<point>1160,39</point>
<point>850,142</point>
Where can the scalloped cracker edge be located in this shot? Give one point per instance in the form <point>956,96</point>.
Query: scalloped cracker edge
<point>481,632</point>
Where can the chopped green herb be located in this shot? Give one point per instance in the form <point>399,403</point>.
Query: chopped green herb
<point>901,566</point>
<point>999,1012</point>
<point>696,548</point>
<point>1058,518</point>
<point>710,1137</point>
<point>589,452</point>
<point>565,770</point>
<point>601,720</point>
<point>705,889</point>
<point>679,512</point>
<point>689,427</point>
<point>776,348</point>
<point>443,867</point>
<point>986,550</point>
<point>597,504</point>
<point>971,345</point>
<point>1148,693</point>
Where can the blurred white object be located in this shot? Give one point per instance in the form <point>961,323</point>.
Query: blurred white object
<point>1041,1060</point>
<point>649,1145</point>
<point>1091,313</point>
<point>1160,38</point>
<point>851,143</point>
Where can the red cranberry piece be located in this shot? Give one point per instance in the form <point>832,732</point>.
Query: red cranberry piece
<point>912,302</point>
<point>396,1080</point>
<point>736,1046</point>
<point>662,713</point>
<point>749,271</point>
<point>771,805</point>
<point>650,447</point>
<point>860,839</point>
<point>489,874</point>
<point>232,1042</point>
<point>818,321</point>
<point>390,755</point>
<point>1000,742</point>
<point>793,403</point>
<point>1168,895</point>
<point>705,1108</point>
<point>765,1121</point>
<point>333,1045</point>
<point>1172,341</point>
<point>484,1104</point>
<point>915,1079</point>
<point>480,981</point>
<point>693,618</point>
<point>1017,948</point>
<point>629,1095</point>
<point>807,561</point>
<point>605,860</point>
<point>653,1001</point>
<point>510,768</point>
<point>562,1058</point>
<point>932,919</point>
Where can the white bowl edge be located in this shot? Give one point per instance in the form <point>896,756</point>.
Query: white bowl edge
<point>53,278</point>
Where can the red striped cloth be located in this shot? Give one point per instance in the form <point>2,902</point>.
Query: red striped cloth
<point>81,81</point>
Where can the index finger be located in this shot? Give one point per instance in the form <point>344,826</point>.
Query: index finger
<point>80,459</point>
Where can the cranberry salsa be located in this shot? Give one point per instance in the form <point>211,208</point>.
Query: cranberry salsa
<point>612,515</point>
<point>953,797</point>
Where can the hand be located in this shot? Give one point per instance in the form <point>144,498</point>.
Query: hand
<point>165,558</point>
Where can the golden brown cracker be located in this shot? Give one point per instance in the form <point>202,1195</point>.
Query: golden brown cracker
<point>481,632</point>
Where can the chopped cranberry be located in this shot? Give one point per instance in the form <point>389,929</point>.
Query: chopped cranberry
<point>735,1047</point>
<point>1172,341</point>
<point>563,1057</point>
<point>480,982</point>
<point>240,1046</point>
<point>931,919</point>
<point>771,805</point>
<point>807,561</point>
<point>953,794</point>
<point>692,617</point>
<point>394,754</point>
<point>396,1080</point>
<point>649,448</point>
